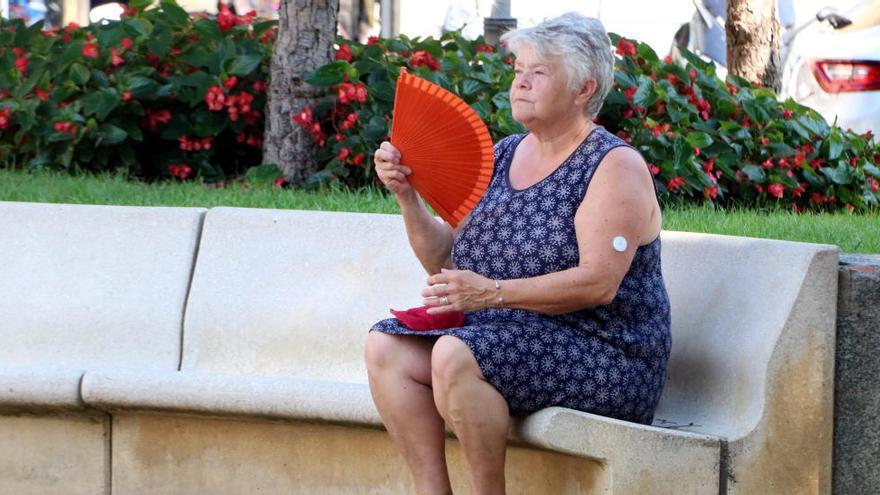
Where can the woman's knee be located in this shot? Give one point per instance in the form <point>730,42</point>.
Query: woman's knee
<point>384,352</point>
<point>452,359</point>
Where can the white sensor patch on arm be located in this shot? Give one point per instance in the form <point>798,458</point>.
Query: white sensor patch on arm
<point>619,244</point>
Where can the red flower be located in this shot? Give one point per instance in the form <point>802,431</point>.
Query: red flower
<point>696,151</point>
<point>703,108</point>
<point>303,118</point>
<point>90,50</point>
<point>786,114</point>
<point>68,127</point>
<point>195,144</point>
<point>776,189</point>
<point>230,82</point>
<point>667,59</point>
<point>126,96</point>
<point>709,165</point>
<point>765,140</point>
<point>5,117</point>
<point>259,87</point>
<point>675,183</point>
<point>156,117</point>
<point>128,11</point>
<point>352,92</point>
<point>731,88</point>
<point>280,181</point>
<point>482,47</point>
<point>343,153</point>
<point>21,64</point>
<point>343,53</point>
<point>226,20</point>
<point>180,170</point>
<point>625,48</point>
<point>672,78</point>
<point>42,95</point>
<point>768,163</point>
<point>126,43</point>
<point>655,170</point>
<point>628,93</point>
<point>692,74</point>
<point>854,161</point>
<point>372,40</point>
<point>215,98</point>
<point>424,58</point>
<point>874,185</point>
<point>115,58</point>
<point>710,192</point>
<point>658,129</point>
<point>359,158</point>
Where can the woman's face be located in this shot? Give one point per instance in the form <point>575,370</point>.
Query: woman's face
<point>539,92</point>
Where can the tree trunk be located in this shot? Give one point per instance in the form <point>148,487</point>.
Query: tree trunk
<point>753,40</point>
<point>306,32</point>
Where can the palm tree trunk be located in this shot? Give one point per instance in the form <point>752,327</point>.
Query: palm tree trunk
<point>753,39</point>
<point>306,32</point>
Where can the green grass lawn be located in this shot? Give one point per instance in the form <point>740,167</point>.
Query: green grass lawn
<point>853,233</point>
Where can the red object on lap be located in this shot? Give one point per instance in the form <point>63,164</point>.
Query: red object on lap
<point>420,320</point>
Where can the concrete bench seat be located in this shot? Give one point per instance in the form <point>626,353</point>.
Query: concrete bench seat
<point>270,392</point>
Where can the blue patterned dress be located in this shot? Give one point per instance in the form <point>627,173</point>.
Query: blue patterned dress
<point>608,360</point>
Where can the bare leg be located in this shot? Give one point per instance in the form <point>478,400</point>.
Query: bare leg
<point>399,370</point>
<point>475,410</point>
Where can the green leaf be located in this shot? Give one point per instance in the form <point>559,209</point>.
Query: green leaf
<point>109,134</point>
<point>175,15</point>
<point>142,87</point>
<point>263,175</point>
<point>160,41</point>
<point>138,25</point>
<point>328,75</point>
<point>243,65</point>
<point>835,145</point>
<point>840,174</point>
<point>100,103</point>
<point>644,96</point>
<point>375,129</point>
<point>754,172</point>
<point>79,74</point>
<point>699,139</point>
<point>871,169</point>
<point>208,29</point>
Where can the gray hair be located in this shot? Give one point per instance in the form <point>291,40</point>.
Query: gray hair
<point>583,48</point>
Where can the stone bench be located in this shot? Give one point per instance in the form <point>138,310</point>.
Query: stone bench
<point>222,352</point>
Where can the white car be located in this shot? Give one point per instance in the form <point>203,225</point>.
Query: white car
<point>833,65</point>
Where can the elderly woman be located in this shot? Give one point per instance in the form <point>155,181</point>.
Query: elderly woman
<point>557,270</point>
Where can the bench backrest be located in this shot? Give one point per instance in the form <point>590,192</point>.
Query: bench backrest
<point>294,292</point>
<point>286,292</point>
<point>87,287</point>
<point>734,300</point>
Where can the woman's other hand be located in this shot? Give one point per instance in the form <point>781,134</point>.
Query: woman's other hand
<point>390,171</point>
<point>458,290</point>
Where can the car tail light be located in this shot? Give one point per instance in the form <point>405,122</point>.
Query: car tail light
<point>841,76</point>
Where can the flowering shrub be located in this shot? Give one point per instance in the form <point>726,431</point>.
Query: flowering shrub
<point>161,92</point>
<point>354,117</point>
<point>711,140</point>
<point>705,139</point>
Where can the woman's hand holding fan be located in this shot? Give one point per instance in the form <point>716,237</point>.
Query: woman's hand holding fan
<point>390,171</point>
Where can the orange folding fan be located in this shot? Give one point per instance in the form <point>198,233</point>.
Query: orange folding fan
<point>445,144</point>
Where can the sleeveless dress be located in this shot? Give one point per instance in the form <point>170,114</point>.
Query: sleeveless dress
<point>608,360</point>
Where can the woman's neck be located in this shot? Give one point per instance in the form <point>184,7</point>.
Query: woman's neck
<point>562,137</point>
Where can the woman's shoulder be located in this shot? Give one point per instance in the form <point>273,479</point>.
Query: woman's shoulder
<point>504,143</point>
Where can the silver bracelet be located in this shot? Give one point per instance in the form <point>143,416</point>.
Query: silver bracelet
<point>500,299</point>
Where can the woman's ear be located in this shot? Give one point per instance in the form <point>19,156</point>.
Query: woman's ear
<point>586,92</point>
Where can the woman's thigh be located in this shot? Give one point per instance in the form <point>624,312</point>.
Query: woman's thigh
<point>408,354</point>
